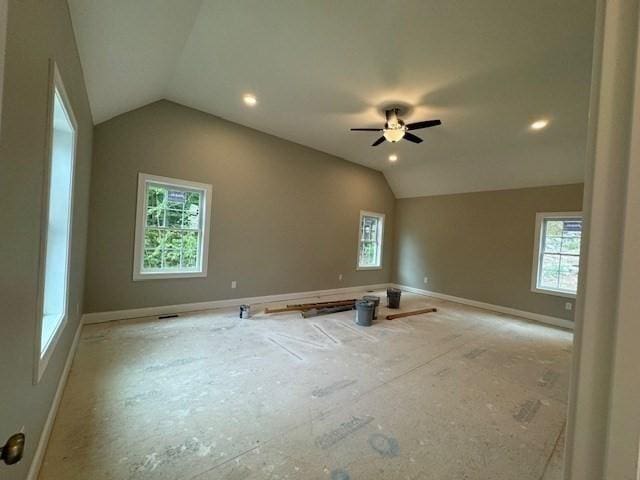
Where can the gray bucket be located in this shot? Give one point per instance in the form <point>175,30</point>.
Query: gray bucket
<point>376,302</point>
<point>393,297</point>
<point>364,312</point>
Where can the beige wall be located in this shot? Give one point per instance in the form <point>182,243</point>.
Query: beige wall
<point>479,246</point>
<point>285,217</point>
<point>37,31</point>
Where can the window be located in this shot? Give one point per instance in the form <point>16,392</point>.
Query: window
<point>370,240</point>
<point>57,222</point>
<point>172,228</point>
<point>557,253</point>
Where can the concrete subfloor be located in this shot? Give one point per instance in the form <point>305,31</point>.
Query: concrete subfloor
<point>459,394</point>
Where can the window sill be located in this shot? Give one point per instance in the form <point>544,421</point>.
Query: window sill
<point>137,276</point>
<point>369,268</point>
<point>46,355</point>
<point>557,293</point>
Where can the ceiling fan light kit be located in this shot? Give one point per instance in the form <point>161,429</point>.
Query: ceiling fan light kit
<point>394,135</point>
<point>395,129</point>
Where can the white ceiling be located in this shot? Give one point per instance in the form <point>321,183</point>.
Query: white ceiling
<point>318,67</point>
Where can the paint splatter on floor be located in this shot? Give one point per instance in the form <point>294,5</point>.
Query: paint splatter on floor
<point>466,393</point>
<point>384,445</point>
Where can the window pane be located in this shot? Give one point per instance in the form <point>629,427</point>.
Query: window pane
<point>554,228</point>
<point>189,258</point>
<point>153,238</point>
<point>190,240</point>
<point>153,258</point>
<point>552,244</point>
<point>193,200</point>
<point>154,241</point>
<point>58,234</point>
<point>171,258</point>
<point>368,254</point>
<point>369,228</point>
<point>155,217</point>
<point>156,196</point>
<point>571,245</point>
<point>156,206</point>
<point>572,228</point>
<point>173,239</point>
<point>176,199</point>
<point>174,218</point>
<point>192,216</point>
<point>569,267</point>
<point>550,271</point>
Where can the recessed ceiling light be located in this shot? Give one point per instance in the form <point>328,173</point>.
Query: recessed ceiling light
<point>393,157</point>
<point>249,99</point>
<point>539,124</point>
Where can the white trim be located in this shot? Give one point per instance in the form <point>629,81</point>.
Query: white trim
<point>623,443</point>
<point>36,463</point>
<point>141,215</point>
<point>540,217</point>
<point>42,358</point>
<point>100,317</point>
<point>603,430</point>
<point>556,322</point>
<point>382,218</point>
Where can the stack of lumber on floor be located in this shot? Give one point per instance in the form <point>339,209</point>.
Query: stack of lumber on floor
<point>319,307</point>
<point>334,306</point>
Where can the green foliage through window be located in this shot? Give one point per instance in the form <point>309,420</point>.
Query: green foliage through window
<point>172,229</point>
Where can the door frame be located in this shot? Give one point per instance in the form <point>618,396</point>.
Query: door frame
<point>603,435</point>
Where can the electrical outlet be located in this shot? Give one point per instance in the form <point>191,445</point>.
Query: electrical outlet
<point>426,280</point>
<point>340,277</point>
<point>568,306</point>
<point>234,284</point>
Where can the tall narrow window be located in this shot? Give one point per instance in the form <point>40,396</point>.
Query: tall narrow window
<point>557,253</point>
<point>58,223</point>
<point>370,240</point>
<point>172,228</point>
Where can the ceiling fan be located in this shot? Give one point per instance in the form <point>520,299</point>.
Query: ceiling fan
<point>395,129</point>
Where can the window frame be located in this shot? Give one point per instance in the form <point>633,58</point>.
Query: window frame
<point>141,216</point>
<point>538,239</point>
<point>381,218</point>
<point>42,357</point>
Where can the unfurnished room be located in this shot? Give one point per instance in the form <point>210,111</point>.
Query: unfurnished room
<point>319,239</point>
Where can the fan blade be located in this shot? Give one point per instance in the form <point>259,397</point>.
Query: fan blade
<point>425,124</point>
<point>379,141</point>
<point>412,138</point>
<point>366,129</point>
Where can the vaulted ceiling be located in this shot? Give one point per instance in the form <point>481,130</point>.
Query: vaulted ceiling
<point>486,68</point>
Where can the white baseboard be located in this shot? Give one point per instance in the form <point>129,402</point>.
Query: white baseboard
<point>100,317</point>
<point>556,322</point>
<point>36,463</point>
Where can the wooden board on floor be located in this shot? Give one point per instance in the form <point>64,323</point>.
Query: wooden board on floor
<point>409,314</point>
